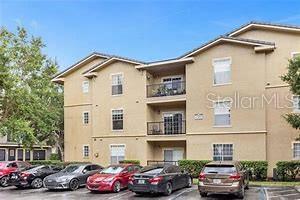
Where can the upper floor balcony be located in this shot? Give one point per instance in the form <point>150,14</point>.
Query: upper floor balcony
<point>166,127</point>
<point>169,88</point>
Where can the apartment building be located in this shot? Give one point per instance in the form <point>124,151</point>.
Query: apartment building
<point>11,151</point>
<point>221,101</point>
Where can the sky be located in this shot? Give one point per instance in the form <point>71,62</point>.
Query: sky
<point>143,30</point>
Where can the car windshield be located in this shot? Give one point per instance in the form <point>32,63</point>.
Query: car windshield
<point>152,170</point>
<point>70,169</point>
<point>219,169</point>
<point>112,170</point>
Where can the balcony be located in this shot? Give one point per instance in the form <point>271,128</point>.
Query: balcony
<point>166,89</point>
<point>166,128</point>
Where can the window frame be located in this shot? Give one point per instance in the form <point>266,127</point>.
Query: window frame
<point>293,150</point>
<point>112,121</point>
<point>213,67</point>
<point>110,156</point>
<point>83,151</point>
<point>214,122</point>
<point>296,110</point>
<point>222,155</point>
<point>112,84</point>
<point>83,117</point>
<point>85,89</point>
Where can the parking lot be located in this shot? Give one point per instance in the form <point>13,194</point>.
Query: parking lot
<point>82,193</point>
<point>278,193</point>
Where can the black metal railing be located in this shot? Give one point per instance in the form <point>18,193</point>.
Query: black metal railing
<point>155,162</point>
<point>166,89</point>
<point>166,128</point>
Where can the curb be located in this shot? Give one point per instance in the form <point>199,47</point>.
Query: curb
<point>297,188</point>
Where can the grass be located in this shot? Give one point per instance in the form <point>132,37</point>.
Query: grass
<point>266,183</point>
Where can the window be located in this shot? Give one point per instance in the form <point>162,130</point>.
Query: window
<point>39,155</point>
<point>85,86</point>
<point>117,119</point>
<point>2,154</point>
<point>296,150</point>
<point>86,118</point>
<point>117,153</point>
<point>222,113</point>
<point>296,103</point>
<point>86,151</point>
<point>222,71</point>
<point>20,154</point>
<point>27,155</point>
<point>222,152</point>
<point>117,84</point>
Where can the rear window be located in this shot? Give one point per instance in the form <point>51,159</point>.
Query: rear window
<point>152,170</point>
<point>219,169</point>
<point>2,165</point>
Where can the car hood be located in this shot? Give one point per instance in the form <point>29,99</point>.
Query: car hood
<point>61,175</point>
<point>101,177</point>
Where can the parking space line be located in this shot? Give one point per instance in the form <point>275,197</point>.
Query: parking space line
<point>278,191</point>
<point>284,195</point>
<point>119,195</point>
<point>179,194</point>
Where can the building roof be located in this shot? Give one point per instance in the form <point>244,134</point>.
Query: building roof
<point>256,24</point>
<point>227,39</point>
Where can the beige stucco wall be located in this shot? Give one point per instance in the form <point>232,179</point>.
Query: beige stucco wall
<point>248,79</point>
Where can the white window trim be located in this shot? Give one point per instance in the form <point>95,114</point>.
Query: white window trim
<point>173,76</point>
<point>295,110</point>
<point>88,88</point>
<point>213,74</point>
<point>222,126</point>
<point>89,117</point>
<point>110,148</point>
<point>293,53</point>
<point>111,120</point>
<point>18,153</point>
<point>212,147</point>
<point>294,158</point>
<point>86,145</point>
<point>111,75</point>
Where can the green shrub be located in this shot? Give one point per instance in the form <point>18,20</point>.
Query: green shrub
<point>257,169</point>
<point>194,167</point>
<point>54,156</point>
<point>287,170</point>
<point>137,162</point>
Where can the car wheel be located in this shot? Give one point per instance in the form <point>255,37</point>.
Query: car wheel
<point>190,182</point>
<point>117,187</point>
<point>74,184</point>
<point>169,189</point>
<point>203,194</point>
<point>241,193</point>
<point>37,183</point>
<point>3,181</point>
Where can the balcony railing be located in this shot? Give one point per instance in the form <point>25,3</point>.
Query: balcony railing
<point>166,128</point>
<point>166,89</point>
<point>155,162</point>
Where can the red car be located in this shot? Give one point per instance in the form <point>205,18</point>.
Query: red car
<point>113,178</point>
<point>6,168</point>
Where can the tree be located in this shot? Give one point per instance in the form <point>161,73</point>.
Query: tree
<point>31,106</point>
<point>292,77</point>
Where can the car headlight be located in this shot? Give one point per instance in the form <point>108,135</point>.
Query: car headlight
<point>109,179</point>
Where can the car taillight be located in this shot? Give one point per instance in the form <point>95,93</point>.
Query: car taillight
<point>202,176</point>
<point>235,177</point>
<point>24,175</point>
<point>131,179</point>
<point>155,180</point>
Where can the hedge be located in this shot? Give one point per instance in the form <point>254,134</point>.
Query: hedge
<point>54,156</point>
<point>137,162</point>
<point>257,169</point>
<point>194,167</point>
<point>288,170</point>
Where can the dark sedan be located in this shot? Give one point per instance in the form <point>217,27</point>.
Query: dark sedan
<point>32,177</point>
<point>159,179</point>
<point>72,177</point>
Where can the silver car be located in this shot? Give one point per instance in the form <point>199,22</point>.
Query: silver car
<point>72,177</point>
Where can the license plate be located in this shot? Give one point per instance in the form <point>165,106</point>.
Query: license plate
<point>141,181</point>
<point>216,181</point>
<point>14,177</point>
<point>49,181</point>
